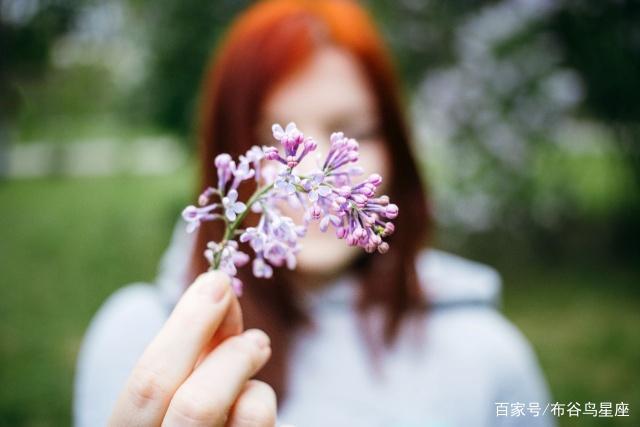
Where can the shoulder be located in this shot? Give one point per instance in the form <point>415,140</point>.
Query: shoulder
<point>117,335</point>
<point>485,334</point>
<point>127,319</point>
<point>488,348</point>
<point>465,298</point>
<point>466,328</point>
<point>447,279</point>
<point>134,308</point>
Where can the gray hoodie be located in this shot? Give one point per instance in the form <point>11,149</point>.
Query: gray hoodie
<point>454,367</point>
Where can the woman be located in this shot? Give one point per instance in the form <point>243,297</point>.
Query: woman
<point>409,338</point>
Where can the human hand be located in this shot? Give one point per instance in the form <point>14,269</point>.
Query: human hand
<point>196,370</point>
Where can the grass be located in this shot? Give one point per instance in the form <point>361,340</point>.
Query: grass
<point>584,326</point>
<point>66,244</point>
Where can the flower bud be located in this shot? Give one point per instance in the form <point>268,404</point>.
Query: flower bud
<point>344,191</point>
<point>310,144</point>
<point>391,211</point>
<point>383,247</point>
<point>292,161</point>
<point>376,240</point>
<point>316,212</point>
<point>360,199</point>
<point>236,285</point>
<point>389,228</point>
<point>222,161</point>
<point>375,179</point>
<point>270,153</point>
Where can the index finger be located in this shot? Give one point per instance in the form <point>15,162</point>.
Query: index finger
<point>172,354</point>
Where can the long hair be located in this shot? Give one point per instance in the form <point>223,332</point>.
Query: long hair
<point>265,45</point>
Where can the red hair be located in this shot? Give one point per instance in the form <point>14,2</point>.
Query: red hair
<point>266,44</point>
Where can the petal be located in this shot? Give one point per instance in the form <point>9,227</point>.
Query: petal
<point>239,207</point>
<point>256,244</point>
<point>190,213</point>
<point>291,127</point>
<point>278,132</point>
<point>324,190</point>
<point>230,214</point>
<point>229,268</point>
<point>247,235</point>
<point>236,285</point>
<point>240,258</point>
<point>313,195</point>
<point>232,196</point>
<point>268,271</point>
<point>192,226</point>
<point>324,223</point>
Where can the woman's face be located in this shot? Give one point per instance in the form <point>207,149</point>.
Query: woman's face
<point>328,94</point>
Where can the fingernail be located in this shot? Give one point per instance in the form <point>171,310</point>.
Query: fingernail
<point>214,285</point>
<point>219,291</point>
<point>258,337</point>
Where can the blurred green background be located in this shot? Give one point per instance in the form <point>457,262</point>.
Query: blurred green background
<point>526,117</point>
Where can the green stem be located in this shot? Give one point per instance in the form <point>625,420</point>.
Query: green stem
<point>231,227</point>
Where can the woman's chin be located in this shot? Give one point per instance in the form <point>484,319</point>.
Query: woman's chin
<point>324,255</point>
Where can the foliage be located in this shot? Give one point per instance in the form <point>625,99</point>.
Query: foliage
<point>27,33</point>
<point>182,35</point>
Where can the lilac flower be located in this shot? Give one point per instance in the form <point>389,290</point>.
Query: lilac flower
<point>271,153</point>
<point>327,219</point>
<point>255,237</point>
<point>241,172</point>
<point>278,254</point>
<point>229,259</point>
<point>286,183</point>
<point>291,139</point>
<point>230,256</point>
<point>269,173</point>
<point>237,286</point>
<point>223,164</point>
<point>194,215</point>
<point>343,151</point>
<point>285,229</point>
<point>254,156</point>
<point>316,187</point>
<point>206,194</point>
<point>327,195</point>
<point>232,207</point>
<point>275,238</point>
<point>261,269</point>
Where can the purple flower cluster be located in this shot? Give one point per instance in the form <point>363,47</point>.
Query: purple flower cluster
<point>327,195</point>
